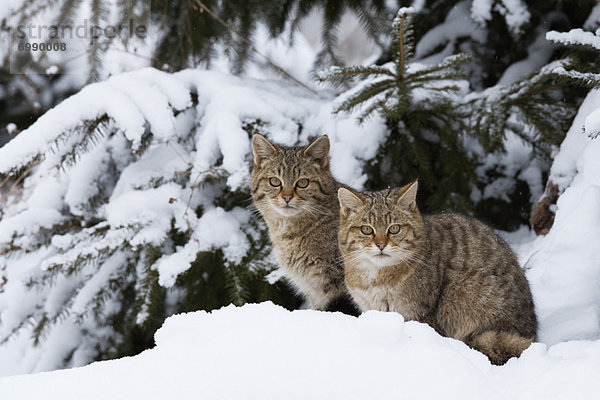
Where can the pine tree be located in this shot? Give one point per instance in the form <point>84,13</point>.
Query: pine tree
<point>119,237</point>
<point>192,30</point>
<point>432,116</point>
<point>419,105</point>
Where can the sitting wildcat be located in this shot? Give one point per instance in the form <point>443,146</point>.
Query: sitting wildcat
<point>296,194</point>
<point>447,270</point>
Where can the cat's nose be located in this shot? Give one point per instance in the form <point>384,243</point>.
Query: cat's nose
<point>381,245</point>
<point>287,197</point>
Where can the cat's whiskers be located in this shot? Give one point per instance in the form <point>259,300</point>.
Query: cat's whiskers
<point>395,256</point>
<point>351,257</point>
<point>253,208</point>
<point>315,209</point>
<point>304,208</point>
<point>411,263</point>
<point>248,202</point>
<point>412,260</point>
<point>325,210</point>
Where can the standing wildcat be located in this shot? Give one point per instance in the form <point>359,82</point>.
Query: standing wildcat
<point>296,194</point>
<point>447,270</point>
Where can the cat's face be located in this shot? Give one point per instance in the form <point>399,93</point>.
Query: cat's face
<point>382,228</point>
<point>291,181</point>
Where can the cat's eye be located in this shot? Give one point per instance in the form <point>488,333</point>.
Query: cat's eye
<point>302,183</point>
<point>394,229</point>
<point>366,230</point>
<point>274,181</point>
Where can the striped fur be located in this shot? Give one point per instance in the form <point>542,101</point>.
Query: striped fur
<point>303,232</point>
<point>447,270</point>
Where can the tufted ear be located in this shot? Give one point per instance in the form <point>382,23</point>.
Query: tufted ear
<point>318,151</point>
<point>407,196</point>
<point>349,201</point>
<point>262,148</point>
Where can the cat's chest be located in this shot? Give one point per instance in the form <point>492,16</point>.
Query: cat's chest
<point>385,299</point>
<point>381,290</point>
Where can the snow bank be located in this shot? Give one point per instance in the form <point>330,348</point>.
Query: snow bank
<point>262,351</point>
<point>564,266</point>
<point>564,167</point>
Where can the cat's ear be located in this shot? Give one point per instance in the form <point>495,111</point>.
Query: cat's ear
<point>407,196</point>
<point>318,151</point>
<point>262,148</point>
<point>349,201</point>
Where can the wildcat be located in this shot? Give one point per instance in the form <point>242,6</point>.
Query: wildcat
<point>294,191</point>
<point>447,270</point>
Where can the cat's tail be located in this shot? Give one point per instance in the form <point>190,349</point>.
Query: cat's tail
<point>499,347</point>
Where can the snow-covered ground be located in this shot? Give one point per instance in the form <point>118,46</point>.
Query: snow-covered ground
<point>262,351</point>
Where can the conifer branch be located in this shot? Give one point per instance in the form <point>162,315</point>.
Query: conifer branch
<point>400,32</point>
<point>250,45</point>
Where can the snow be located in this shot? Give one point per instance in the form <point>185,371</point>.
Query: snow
<point>94,283</point>
<point>481,10</point>
<point>155,216</point>
<point>515,162</point>
<point>565,264</point>
<point>515,12</point>
<point>215,229</point>
<point>593,21</point>
<point>538,54</point>
<point>263,351</point>
<point>417,5</point>
<point>592,124</point>
<point>564,167</point>
<point>130,99</point>
<point>86,178</point>
<point>563,267</point>
<point>456,25</point>
<point>11,128</point>
<point>27,223</point>
<point>158,162</point>
<point>52,70</point>
<point>575,37</point>
<point>353,45</point>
